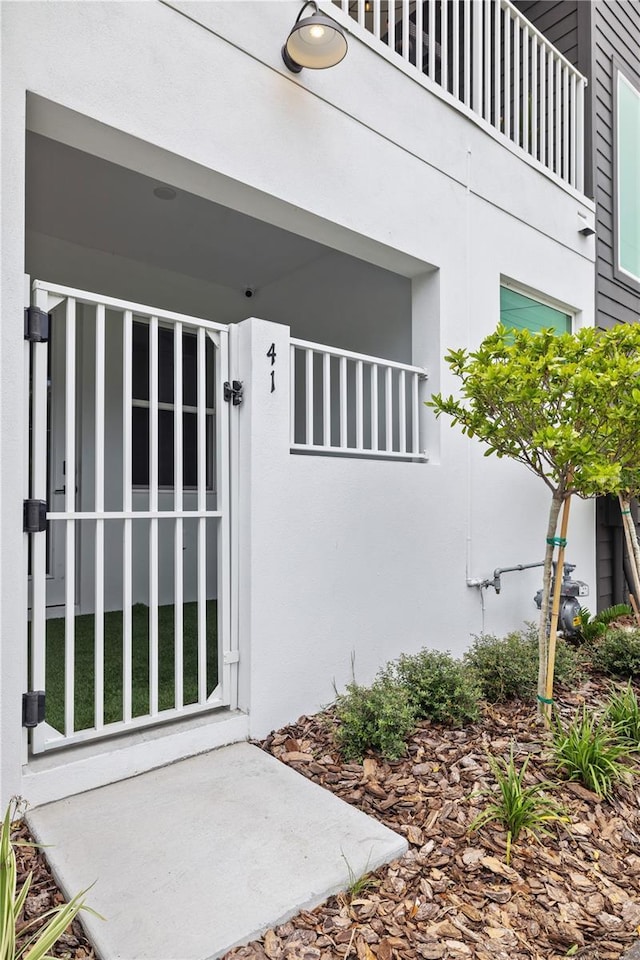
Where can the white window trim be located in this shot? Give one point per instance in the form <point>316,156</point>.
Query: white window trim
<point>543,299</point>
<point>619,271</point>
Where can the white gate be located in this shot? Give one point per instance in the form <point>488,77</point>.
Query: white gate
<point>130,583</point>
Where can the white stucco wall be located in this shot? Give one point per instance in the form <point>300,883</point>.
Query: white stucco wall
<point>338,555</point>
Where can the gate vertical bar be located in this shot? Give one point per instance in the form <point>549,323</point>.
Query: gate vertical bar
<point>534,96</point>
<point>467,51</point>
<point>98,716</point>
<point>70,505</point>
<point>444,46</point>
<point>344,421</point>
<point>388,406</point>
<point>507,89</point>
<point>292,394</point>
<point>476,47</point>
<point>419,36</point>
<point>224,530</point>
<point>326,400</point>
<point>432,39</point>
<point>374,406</point>
<point>178,505</point>
<point>359,406</point>
<point>127,504</point>
<point>153,522</point>
<point>543,103</point>
<point>402,412</point>
<point>573,131</point>
<point>517,86</point>
<point>497,17</point>
<point>525,87</point>
<point>456,50</point>
<point>486,48</point>
<point>202,523</point>
<point>39,357</point>
<point>308,383</point>
<point>415,414</point>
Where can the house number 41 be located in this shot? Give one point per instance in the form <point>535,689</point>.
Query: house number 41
<point>271,353</point>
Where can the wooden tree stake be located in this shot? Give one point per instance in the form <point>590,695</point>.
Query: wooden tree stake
<point>555,611</point>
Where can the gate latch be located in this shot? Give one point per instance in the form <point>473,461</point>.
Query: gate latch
<point>234,392</point>
<point>34,518</point>
<point>36,325</point>
<point>33,708</point>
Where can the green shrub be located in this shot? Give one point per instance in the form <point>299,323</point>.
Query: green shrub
<point>518,807</point>
<point>507,667</point>
<point>379,717</point>
<point>440,688</point>
<point>622,711</point>
<point>588,750</point>
<point>617,653</point>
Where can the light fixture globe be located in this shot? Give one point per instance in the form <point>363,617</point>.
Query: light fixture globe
<point>316,42</point>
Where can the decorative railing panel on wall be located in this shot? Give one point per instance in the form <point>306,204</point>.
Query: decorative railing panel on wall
<point>354,405</point>
<point>488,56</point>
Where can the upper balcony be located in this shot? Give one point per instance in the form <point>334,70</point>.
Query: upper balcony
<point>494,65</point>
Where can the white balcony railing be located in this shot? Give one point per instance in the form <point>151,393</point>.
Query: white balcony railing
<point>354,405</point>
<point>488,56</point>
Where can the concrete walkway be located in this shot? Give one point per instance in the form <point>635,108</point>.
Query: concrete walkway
<point>195,858</point>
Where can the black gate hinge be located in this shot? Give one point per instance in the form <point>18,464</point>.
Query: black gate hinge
<point>33,704</point>
<point>234,392</point>
<point>36,325</point>
<point>34,517</point>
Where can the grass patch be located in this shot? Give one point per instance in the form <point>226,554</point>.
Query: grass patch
<point>113,687</point>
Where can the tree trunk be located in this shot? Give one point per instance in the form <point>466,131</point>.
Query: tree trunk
<point>632,543</point>
<point>554,512</point>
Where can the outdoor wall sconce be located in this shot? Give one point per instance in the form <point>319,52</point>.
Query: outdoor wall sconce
<point>316,42</point>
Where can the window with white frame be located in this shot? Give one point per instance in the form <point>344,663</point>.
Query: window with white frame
<point>627,179</point>
<point>520,311</point>
<point>166,408</point>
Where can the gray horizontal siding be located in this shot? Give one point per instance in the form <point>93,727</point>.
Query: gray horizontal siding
<point>616,34</point>
<point>557,20</point>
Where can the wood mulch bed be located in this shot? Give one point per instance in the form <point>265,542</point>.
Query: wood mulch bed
<point>574,894</point>
<point>44,895</point>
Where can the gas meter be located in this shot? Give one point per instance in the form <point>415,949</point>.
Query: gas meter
<point>570,590</point>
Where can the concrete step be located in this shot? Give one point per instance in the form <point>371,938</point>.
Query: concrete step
<point>208,853</point>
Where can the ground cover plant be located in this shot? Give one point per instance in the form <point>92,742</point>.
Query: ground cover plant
<point>113,647</point>
<point>507,667</point>
<point>617,653</point>
<point>439,686</point>
<point>520,808</point>
<point>379,717</point>
<point>622,712</point>
<point>587,749</point>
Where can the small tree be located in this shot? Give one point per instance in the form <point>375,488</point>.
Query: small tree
<point>546,401</point>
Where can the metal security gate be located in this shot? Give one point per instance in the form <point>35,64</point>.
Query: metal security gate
<point>128,510</point>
